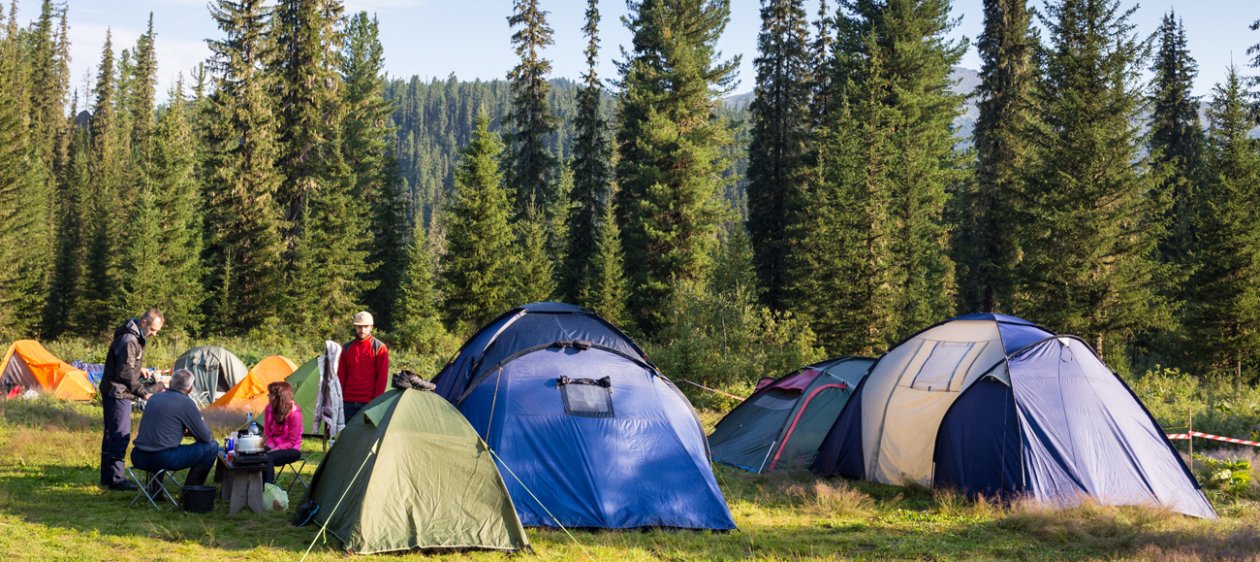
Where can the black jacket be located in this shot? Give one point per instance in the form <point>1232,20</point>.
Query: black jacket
<point>124,363</point>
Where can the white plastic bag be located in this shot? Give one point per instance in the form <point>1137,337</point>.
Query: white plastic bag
<point>275,498</point>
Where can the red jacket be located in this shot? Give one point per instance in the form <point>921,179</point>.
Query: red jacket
<point>363,370</point>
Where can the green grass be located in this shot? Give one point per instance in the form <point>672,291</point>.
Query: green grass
<point>51,508</point>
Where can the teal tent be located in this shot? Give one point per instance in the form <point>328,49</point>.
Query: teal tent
<point>782,424</point>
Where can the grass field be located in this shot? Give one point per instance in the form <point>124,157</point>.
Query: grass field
<point>51,509</point>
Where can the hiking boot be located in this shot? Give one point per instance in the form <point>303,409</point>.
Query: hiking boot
<point>124,486</point>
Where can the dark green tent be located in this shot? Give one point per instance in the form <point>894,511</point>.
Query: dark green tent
<point>408,472</point>
<point>782,424</point>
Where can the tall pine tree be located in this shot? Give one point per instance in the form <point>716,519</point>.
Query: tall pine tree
<point>670,143</point>
<point>1175,138</point>
<point>478,270</point>
<point>23,187</point>
<point>100,305</point>
<point>777,151</point>
<point>243,214</point>
<point>163,261</point>
<point>1223,312</point>
<point>591,168</point>
<point>606,290</point>
<point>368,148</point>
<point>985,243</point>
<point>1090,227</point>
<point>531,166</point>
<point>418,325</point>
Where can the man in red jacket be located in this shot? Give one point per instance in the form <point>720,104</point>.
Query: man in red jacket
<point>363,368</point>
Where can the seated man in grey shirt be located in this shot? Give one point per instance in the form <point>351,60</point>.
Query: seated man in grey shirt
<point>166,417</point>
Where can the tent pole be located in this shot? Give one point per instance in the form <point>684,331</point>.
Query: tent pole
<point>1190,438</point>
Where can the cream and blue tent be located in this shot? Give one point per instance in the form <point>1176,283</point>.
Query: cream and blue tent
<point>995,405</point>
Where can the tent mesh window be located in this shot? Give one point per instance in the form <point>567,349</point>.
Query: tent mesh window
<point>591,398</point>
<point>939,369</point>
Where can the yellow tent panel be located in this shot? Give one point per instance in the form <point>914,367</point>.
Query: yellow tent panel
<point>28,364</point>
<point>250,395</point>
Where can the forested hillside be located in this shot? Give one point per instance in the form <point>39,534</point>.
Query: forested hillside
<point>867,188</point>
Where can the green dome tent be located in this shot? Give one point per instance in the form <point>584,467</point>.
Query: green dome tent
<point>305,382</point>
<point>215,371</point>
<point>408,472</point>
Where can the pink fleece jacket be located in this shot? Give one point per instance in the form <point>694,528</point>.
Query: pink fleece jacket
<point>287,435</point>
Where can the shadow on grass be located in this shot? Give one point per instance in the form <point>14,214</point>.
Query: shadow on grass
<point>49,413</point>
<point>60,497</point>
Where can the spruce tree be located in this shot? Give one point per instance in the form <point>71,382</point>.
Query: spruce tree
<point>821,58</point>
<point>1223,310</point>
<point>846,232</point>
<point>243,215</point>
<point>100,305</point>
<point>478,270</point>
<point>163,261</point>
<point>1175,138</point>
<point>531,165</point>
<point>591,168</point>
<point>23,184</point>
<point>1090,227</point>
<point>777,151</point>
<point>143,90</point>
<point>304,83</point>
<point>71,230</point>
<point>418,323</point>
<point>534,275</point>
<point>606,289</point>
<point>985,243</point>
<point>670,144</point>
<point>368,148</point>
<point>886,159</point>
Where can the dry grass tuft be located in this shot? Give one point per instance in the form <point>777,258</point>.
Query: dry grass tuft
<point>830,499</point>
<point>1201,545</point>
<point>955,504</point>
<point>1087,524</point>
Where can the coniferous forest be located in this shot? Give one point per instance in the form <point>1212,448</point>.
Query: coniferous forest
<point>288,182</point>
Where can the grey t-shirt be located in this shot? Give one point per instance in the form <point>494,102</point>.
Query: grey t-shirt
<point>165,418</point>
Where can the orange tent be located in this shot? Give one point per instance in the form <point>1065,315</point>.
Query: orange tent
<point>250,395</point>
<point>28,364</point>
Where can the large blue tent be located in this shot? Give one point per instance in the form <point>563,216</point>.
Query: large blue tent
<point>995,405</point>
<point>586,431</point>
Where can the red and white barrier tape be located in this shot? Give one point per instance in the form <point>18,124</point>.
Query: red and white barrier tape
<point>1176,436</point>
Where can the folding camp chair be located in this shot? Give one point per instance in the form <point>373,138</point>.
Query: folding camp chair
<point>155,486</point>
<point>294,470</point>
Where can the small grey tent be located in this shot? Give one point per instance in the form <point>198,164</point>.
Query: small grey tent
<point>215,371</point>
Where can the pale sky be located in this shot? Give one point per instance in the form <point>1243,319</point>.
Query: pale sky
<point>470,38</point>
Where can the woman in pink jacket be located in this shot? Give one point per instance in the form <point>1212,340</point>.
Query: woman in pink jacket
<point>282,428</point>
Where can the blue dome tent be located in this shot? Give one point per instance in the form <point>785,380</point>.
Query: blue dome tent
<point>995,405</point>
<point>584,427</point>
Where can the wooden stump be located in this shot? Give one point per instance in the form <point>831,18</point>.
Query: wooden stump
<point>243,488</point>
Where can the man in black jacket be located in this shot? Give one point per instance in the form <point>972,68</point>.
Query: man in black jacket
<point>120,384</point>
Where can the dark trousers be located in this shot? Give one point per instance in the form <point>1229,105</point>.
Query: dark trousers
<point>197,458</point>
<point>117,436</point>
<point>279,457</point>
<point>352,408</point>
